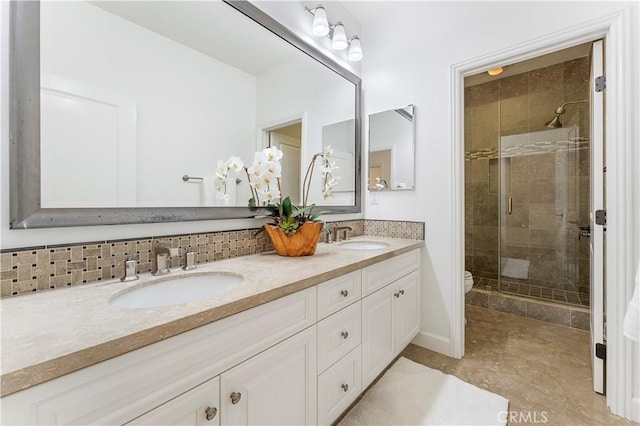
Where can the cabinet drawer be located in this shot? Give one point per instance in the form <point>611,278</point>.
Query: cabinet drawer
<point>338,293</point>
<point>338,387</point>
<point>379,275</point>
<point>338,334</point>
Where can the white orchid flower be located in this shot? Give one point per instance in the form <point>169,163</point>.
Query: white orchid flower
<point>221,168</point>
<point>260,158</point>
<point>272,153</point>
<point>328,152</point>
<point>273,168</point>
<point>235,164</point>
<point>255,172</point>
<point>328,167</point>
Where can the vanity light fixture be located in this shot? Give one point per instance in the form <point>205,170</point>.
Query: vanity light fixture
<point>355,49</point>
<point>322,27</point>
<point>339,39</point>
<point>495,71</point>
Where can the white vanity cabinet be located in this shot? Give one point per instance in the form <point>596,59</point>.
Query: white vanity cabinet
<point>167,375</point>
<point>198,407</point>
<point>301,359</point>
<point>391,313</point>
<point>276,387</point>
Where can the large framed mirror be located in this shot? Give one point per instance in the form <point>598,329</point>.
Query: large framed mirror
<point>391,149</point>
<point>120,110</point>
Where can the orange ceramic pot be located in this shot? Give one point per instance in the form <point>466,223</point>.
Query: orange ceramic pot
<point>302,243</point>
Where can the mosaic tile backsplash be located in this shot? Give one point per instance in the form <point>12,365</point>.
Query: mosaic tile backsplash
<point>37,269</point>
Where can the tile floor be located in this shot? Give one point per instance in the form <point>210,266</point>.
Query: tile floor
<point>541,368</point>
<point>543,293</point>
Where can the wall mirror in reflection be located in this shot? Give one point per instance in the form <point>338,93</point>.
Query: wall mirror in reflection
<point>136,95</point>
<point>391,149</point>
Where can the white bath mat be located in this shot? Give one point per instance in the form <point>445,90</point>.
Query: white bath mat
<point>412,394</point>
<point>515,268</point>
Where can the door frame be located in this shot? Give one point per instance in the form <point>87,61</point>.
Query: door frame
<point>622,250</point>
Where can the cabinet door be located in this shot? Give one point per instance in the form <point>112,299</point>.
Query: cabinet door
<point>407,309</point>
<point>199,406</point>
<point>378,348</point>
<point>276,387</point>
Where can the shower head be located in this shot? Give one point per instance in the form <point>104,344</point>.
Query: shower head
<point>554,123</point>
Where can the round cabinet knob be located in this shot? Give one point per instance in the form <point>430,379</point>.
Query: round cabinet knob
<point>396,294</point>
<point>345,387</point>
<point>235,397</point>
<point>210,413</point>
<point>345,334</point>
<point>345,293</point>
<point>401,291</point>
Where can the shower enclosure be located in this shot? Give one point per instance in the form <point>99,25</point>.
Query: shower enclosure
<point>527,183</point>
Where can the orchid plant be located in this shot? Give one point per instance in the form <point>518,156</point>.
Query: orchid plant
<point>264,181</point>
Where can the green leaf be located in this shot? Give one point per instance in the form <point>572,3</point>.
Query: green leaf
<point>316,215</point>
<point>286,207</point>
<point>301,211</point>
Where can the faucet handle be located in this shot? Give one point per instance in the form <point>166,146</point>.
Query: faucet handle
<point>130,270</point>
<point>190,259</point>
<point>166,245</point>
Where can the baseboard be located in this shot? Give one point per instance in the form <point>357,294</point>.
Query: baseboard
<point>635,409</point>
<point>433,342</point>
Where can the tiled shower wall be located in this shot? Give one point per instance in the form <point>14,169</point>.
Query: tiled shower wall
<point>547,180</point>
<point>37,269</point>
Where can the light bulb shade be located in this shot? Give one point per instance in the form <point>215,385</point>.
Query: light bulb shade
<point>355,50</point>
<point>495,71</point>
<point>339,40</point>
<point>320,25</point>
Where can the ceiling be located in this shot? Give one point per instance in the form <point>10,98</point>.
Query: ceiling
<point>538,62</point>
<point>210,27</point>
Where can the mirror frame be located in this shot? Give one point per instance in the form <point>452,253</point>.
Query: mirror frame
<point>26,211</point>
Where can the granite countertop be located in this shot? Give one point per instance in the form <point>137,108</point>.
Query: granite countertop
<point>51,334</point>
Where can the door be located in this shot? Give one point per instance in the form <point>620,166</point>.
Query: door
<point>289,144</point>
<point>378,348</point>
<point>275,387</point>
<point>597,242</point>
<point>197,407</point>
<point>407,309</point>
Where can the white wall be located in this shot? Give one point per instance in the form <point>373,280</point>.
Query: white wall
<point>411,47</point>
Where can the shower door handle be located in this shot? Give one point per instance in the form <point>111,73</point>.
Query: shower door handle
<point>584,231</point>
<point>510,205</point>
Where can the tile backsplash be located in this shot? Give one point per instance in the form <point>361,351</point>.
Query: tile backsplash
<point>37,269</point>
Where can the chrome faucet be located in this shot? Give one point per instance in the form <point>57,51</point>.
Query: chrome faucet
<point>130,272</point>
<point>337,229</point>
<point>189,259</point>
<point>163,252</point>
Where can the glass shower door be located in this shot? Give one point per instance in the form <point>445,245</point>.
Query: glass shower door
<point>544,200</point>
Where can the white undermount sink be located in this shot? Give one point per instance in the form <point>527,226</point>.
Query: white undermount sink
<point>364,245</point>
<point>175,290</point>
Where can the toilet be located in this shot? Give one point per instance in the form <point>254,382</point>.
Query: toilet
<point>468,284</point>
